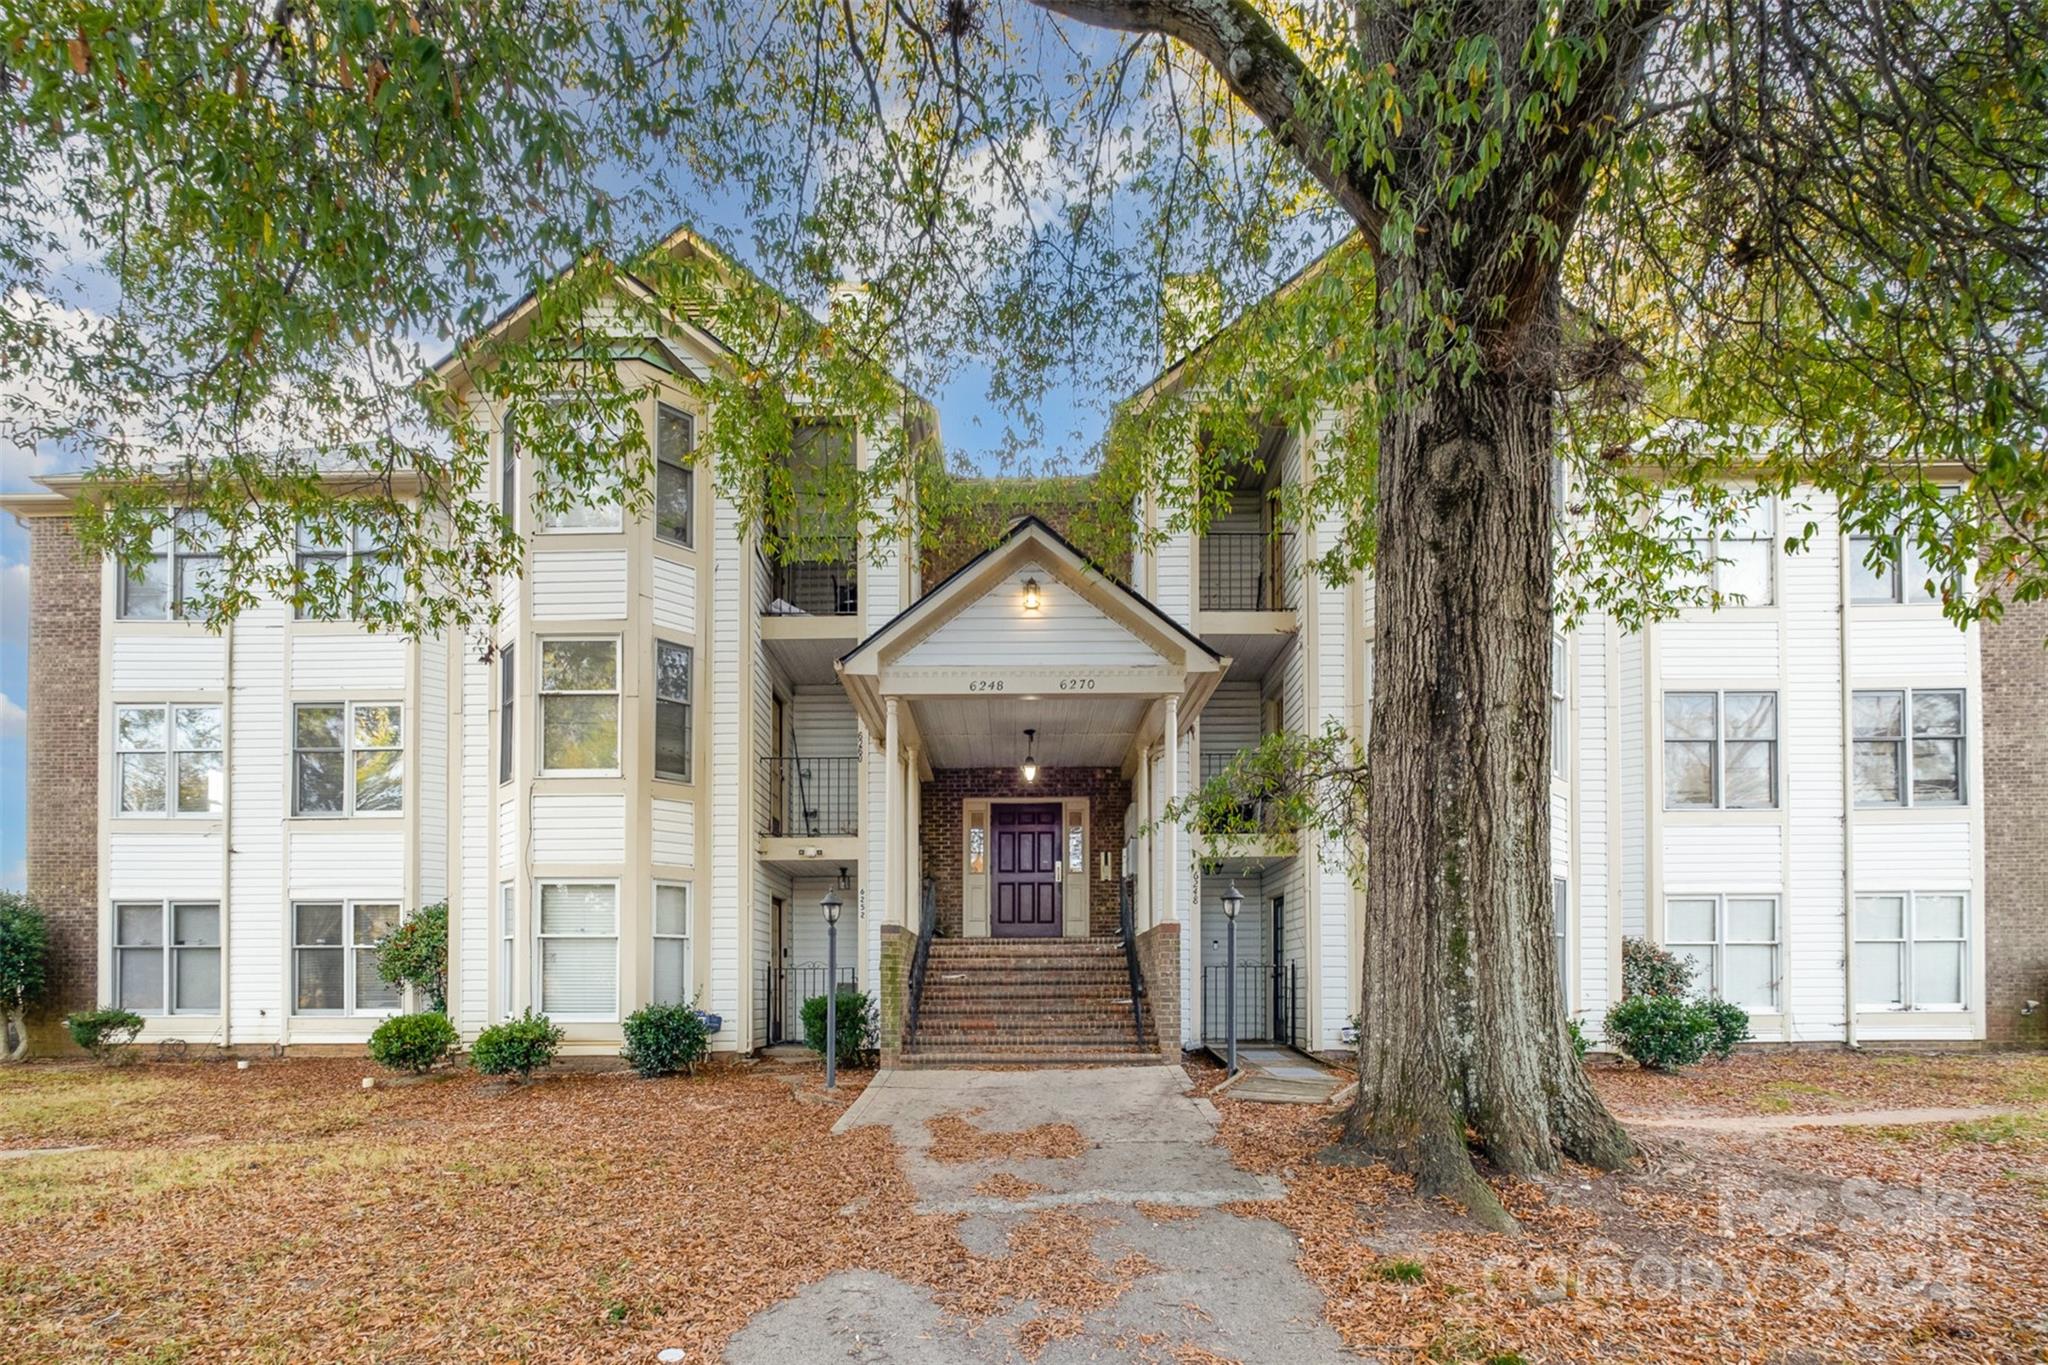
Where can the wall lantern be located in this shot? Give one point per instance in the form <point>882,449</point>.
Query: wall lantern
<point>1031,594</point>
<point>1030,768</point>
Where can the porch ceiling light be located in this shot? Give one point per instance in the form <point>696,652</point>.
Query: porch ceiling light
<point>1031,594</point>
<point>1233,901</point>
<point>1030,768</point>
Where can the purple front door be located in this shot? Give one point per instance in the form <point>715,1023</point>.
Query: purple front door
<point>1027,881</point>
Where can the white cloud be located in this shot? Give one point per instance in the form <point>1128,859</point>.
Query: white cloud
<point>13,719</point>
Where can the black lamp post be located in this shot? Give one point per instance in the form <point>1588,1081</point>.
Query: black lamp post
<point>1233,901</point>
<point>830,905</point>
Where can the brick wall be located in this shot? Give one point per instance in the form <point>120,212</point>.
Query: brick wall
<point>893,990</point>
<point>1108,794</point>
<point>2016,824</point>
<point>1159,964</point>
<point>63,765</point>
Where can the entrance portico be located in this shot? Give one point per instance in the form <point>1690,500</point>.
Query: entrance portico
<point>1030,636</point>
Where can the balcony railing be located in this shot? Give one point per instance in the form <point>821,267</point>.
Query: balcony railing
<point>815,576</point>
<point>1268,1000</point>
<point>1251,814</point>
<point>812,798</point>
<point>1245,571</point>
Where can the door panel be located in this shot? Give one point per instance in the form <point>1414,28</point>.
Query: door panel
<point>1025,895</point>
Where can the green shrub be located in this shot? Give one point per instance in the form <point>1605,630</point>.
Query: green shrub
<point>1731,1026</point>
<point>664,1039</point>
<point>415,954</point>
<point>1662,1032</point>
<point>521,1046</point>
<point>1580,1042</point>
<point>24,966</point>
<point>1647,969</point>
<point>102,1032</point>
<point>413,1042</point>
<point>856,1025</point>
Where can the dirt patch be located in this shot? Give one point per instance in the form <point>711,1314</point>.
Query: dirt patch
<point>1004,1185</point>
<point>1787,1081</point>
<point>954,1139</point>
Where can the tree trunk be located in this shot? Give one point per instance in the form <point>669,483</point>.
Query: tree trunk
<point>13,1036</point>
<point>1462,1023</point>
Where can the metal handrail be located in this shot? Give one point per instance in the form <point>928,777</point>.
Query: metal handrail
<point>1126,914</point>
<point>920,959</point>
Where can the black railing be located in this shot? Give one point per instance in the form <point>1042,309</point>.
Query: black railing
<point>1250,813</point>
<point>812,798</point>
<point>1245,571</point>
<point>815,576</point>
<point>791,986</point>
<point>1268,1003</point>
<point>1126,918</point>
<point>927,929</point>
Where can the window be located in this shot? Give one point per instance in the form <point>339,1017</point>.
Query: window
<point>1912,950</point>
<point>156,975</point>
<point>1739,558</point>
<point>1560,934</point>
<point>508,932</point>
<point>334,957</point>
<point>174,578</point>
<point>671,944</point>
<point>1732,942</point>
<point>1560,708</point>
<point>1890,770</point>
<point>672,715</point>
<point>579,706</point>
<point>1720,750</point>
<point>508,681</point>
<point>579,950</point>
<point>508,475</point>
<point>168,760</point>
<point>354,567</point>
<point>599,507</point>
<point>1906,576</point>
<point>675,433</point>
<point>348,757</point>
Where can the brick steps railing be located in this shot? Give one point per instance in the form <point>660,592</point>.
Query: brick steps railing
<point>1025,1002</point>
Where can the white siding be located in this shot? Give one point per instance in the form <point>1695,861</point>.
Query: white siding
<point>579,585</point>
<point>1810,726</point>
<point>997,633</point>
<point>351,862</point>
<point>579,828</point>
<point>1902,644</point>
<point>675,596</point>
<point>163,864</point>
<point>256,927</point>
<point>1916,855</point>
<point>478,877</point>
<point>823,724</point>
<point>1727,650</point>
<point>431,743</point>
<point>511,854</point>
<point>1176,585</point>
<point>1594,890</point>
<point>1231,720</point>
<point>1714,857</point>
<point>157,665</point>
<point>355,667</point>
<point>1630,776</point>
<point>675,832</point>
<point>731,595</point>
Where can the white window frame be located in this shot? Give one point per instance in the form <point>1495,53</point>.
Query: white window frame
<point>1903,744</point>
<point>508,733</point>
<point>190,537</point>
<point>508,473</point>
<point>688,702</point>
<point>508,946</point>
<point>1707,545</point>
<point>1718,946</point>
<point>659,938</point>
<point>1905,560</point>
<point>172,752</point>
<point>1910,938</point>
<point>361,548</point>
<point>541,695</point>
<point>545,523</point>
<point>168,948</point>
<point>350,951</point>
<point>541,937</point>
<point>1560,707</point>
<point>683,464</point>
<point>1720,743</point>
<point>348,751</point>
<point>1561,936</point>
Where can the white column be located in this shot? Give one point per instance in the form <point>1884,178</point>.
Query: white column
<point>913,834</point>
<point>892,840</point>
<point>1141,851</point>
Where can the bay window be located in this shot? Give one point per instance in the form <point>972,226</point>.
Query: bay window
<point>672,711</point>
<point>167,973</point>
<point>674,479</point>
<point>1912,950</point>
<point>167,759</point>
<point>579,706</point>
<point>335,947</point>
<point>671,944</point>
<point>1720,750</point>
<point>348,757</point>
<point>1732,942</point>
<point>578,955</point>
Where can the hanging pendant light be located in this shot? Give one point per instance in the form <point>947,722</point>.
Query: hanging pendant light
<point>1030,768</point>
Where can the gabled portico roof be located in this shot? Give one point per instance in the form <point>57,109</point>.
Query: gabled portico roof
<point>1091,639</point>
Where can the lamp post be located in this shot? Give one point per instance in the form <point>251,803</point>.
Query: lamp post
<point>830,905</point>
<point>1233,901</point>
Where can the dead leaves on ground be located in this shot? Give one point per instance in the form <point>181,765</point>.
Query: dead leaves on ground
<point>955,1140</point>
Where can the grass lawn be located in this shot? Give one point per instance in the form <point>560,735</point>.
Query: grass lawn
<point>284,1213</point>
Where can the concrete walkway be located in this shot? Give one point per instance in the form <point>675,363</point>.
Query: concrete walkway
<point>1211,1280</point>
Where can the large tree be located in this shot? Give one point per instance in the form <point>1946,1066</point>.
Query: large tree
<point>1727,250</point>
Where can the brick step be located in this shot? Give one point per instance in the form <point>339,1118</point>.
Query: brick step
<point>940,1042</point>
<point>1049,1018</point>
<point>1028,1056</point>
<point>1047,983</point>
<point>1054,1008</point>
<point>1105,952</point>
<point>1051,966</point>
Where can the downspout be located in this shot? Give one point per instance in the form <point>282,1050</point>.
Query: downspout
<point>1848,798</point>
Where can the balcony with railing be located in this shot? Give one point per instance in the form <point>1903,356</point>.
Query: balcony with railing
<point>811,798</point>
<point>814,576</point>
<point>1245,571</point>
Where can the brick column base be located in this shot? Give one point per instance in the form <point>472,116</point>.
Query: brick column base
<point>894,989</point>
<point>1159,964</point>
